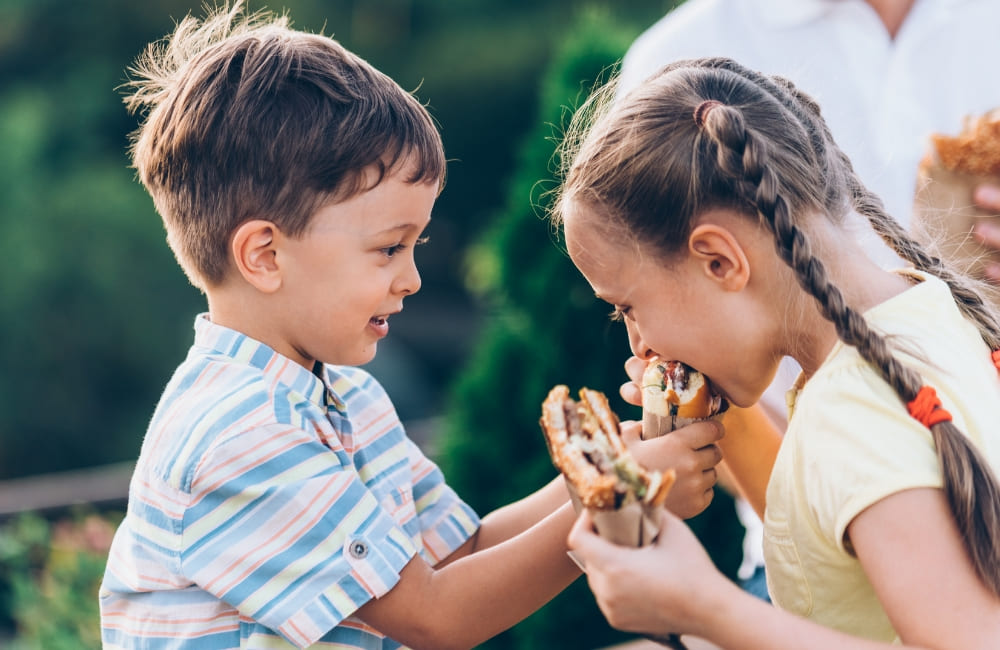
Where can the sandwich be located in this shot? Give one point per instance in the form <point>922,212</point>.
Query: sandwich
<point>585,444</point>
<point>944,213</point>
<point>674,395</point>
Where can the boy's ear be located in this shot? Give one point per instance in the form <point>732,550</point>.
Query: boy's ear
<point>720,255</point>
<point>255,254</point>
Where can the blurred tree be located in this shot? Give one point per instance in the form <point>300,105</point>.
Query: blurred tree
<point>94,313</point>
<point>544,327</point>
<point>50,573</point>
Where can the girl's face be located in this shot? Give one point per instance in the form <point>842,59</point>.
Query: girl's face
<point>675,308</point>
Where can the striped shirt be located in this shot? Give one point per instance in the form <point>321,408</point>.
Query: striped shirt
<point>268,504</point>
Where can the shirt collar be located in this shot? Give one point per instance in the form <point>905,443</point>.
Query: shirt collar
<point>278,368</point>
<point>780,14</point>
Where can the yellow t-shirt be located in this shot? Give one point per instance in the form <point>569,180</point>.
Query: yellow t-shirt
<point>850,442</point>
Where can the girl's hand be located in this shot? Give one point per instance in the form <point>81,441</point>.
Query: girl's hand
<point>691,452</point>
<point>987,197</point>
<point>631,391</point>
<point>665,588</point>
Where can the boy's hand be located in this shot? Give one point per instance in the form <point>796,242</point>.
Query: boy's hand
<point>987,197</point>
<point>691,451</point>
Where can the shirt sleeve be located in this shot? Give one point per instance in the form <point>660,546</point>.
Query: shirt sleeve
<point>858,446</point>
<point>446,522</point>
<point>282,530</point>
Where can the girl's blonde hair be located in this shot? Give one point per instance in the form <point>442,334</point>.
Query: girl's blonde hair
<point>651,161</point>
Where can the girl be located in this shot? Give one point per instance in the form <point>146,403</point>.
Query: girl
<point>708,206</point>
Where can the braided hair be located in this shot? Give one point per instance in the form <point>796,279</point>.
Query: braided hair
<point>710,134</point>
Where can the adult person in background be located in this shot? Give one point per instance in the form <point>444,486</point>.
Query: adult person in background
<point>887,74</point>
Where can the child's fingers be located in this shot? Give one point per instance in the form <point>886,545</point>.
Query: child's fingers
<point>631,393</point>
<point>701,434</point>
<point>631,431</point>
<point>583,539</point>
<point>634,368</point>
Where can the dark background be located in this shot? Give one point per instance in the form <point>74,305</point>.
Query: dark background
<point>95,313</point>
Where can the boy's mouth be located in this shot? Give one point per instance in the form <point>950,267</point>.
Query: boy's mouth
<point>379,325</point>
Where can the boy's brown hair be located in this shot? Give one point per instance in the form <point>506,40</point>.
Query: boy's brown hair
<point>247,118</point>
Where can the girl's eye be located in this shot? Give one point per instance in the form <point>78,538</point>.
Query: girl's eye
<point>619,313</point>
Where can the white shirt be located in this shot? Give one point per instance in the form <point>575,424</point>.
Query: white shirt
<point>882,98</point>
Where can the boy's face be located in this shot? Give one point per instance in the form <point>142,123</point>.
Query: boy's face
<point>349,272</point>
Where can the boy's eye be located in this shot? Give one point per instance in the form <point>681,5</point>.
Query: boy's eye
<point>390,251</point>
<point>619,313</point>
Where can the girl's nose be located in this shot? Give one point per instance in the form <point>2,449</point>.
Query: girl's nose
<point>639,347</point>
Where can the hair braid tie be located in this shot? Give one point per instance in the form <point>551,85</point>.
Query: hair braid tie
<point>995,355</point>
<point>926,408</point>
<point>701,112</point>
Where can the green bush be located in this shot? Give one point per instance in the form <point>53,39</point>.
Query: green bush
<point>544,326</point>
<point>50,573</point>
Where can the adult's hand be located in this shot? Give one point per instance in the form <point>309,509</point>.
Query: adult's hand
<point>987,197</point>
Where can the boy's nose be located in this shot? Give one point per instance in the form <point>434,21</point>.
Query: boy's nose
<point>409,282</point>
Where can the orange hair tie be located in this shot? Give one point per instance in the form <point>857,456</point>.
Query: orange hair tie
<point>995,355</point>
<point>926,408</point>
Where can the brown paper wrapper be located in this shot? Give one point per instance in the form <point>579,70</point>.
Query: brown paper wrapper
<point>654,426</point>
<point>944,216</point>
<point>634,524</point>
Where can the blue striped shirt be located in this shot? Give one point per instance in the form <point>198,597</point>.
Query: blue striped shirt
<point>268,505</point>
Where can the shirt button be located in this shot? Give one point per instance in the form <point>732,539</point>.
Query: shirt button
<point>358,549</point>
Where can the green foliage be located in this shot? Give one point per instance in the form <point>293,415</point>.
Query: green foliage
<point>49,578</point>
<point>88,310</point>
<point>544,326</point>
<point>94,312</point>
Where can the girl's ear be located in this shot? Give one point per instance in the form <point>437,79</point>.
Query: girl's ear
<point>720,256</point>
<point>255,254</point>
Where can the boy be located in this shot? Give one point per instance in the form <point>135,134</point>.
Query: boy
<point>277,501</point>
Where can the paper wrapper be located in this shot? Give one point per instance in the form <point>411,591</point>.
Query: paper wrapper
<point>654,426</point>
<point>634,524</point>
<point>944,213</point>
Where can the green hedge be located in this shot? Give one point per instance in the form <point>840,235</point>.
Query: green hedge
<point>50,572</point>
<point>544,326</point>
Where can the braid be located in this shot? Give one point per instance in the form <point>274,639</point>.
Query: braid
<point>793,246</point>
<point>870,206</point>
<point>972,490</point>
<point>968,299</point>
